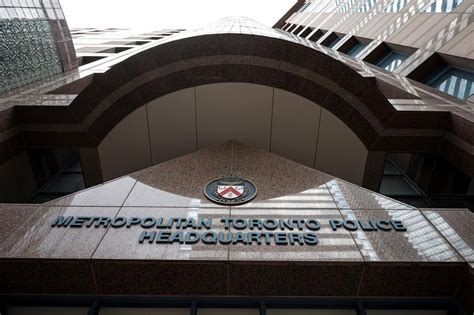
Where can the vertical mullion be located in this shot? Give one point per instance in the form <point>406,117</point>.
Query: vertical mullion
<point>263,308</point>
<point>94,308</point>
<point>193,309</point>
<point>360,309</point>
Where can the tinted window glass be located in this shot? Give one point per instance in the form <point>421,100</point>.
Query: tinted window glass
<point>455,82</point>
<point>392,61</point>
<point>357,49</point>
<point>443,6</point>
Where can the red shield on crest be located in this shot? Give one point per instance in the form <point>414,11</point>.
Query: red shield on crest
<point>230,191</point>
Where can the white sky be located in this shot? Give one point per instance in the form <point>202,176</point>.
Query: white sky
<point>157,14</point>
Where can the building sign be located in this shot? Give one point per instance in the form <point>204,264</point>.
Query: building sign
<point>231,190</point>
<point>160,230</point>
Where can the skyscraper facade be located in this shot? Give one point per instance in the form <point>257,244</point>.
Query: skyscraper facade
<point>322,166</point>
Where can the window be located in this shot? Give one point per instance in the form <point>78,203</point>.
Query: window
<point>396,5</point>
<point>316,35</point>
<point>322,6</point>
<point>307,31</point>
<point>297,30</point>
<point>443,6</point>
<point>453,81</point>
<point>334,42</point>
<point>357,49</point>
<point>304,7</point>
<point>367,6</point>
<point>426,181</point>
<point>331,40</point>
<point>392,60</point>
<point>353,46</point>
<point>345,5</point>
<point>58,173</point>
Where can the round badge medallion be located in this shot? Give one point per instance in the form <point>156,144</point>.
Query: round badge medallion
<point>231,190</point>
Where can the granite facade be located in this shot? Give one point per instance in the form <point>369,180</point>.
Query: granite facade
<point>429,259</point>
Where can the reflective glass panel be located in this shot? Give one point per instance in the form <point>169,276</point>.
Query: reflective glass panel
<point>356,50</point>
<point>304,7</point>
<point>455,82</point>
<point>396,185</point>
<point>396,5</point>
<point>335,41</point>
<point>392,61</point>
<point>443,6</point>
<point>367,6</point>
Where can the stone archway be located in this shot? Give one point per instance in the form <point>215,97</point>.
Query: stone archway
<point>258,116</point>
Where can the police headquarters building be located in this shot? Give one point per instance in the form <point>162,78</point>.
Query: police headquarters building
<point>320,166</point>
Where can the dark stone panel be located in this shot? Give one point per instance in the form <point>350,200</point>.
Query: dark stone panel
<point>315,92</point>
<point>100,88</point>
<point>114,114</point>
<point>161,277</point>
<point>11,147</point>
<point>234,73</point>
<point>362,127</point>
<point>244,279</point>
<point>407,144</point>
<point>455,125</point>
<point>419,120</point>
<point>91,167</point>
<point>305,57</point>
<point>198,76</point>
<point>8,119</point>
<point>200,46</point>
<point>267,47</point>
<point>114,79</point>
<point>57,139</point>
<point>88,99</point>
<point>155,57</point>
<point>465,295</point>
<point>48,276</point>
<point>325,66</point>
<point>423,280</point>
<point>391,91</point>
<point>261,75</point>
<point>467,132</point>
<point>279,279</point>
<point>154,89</point>
<point>289,82</point>
<point>458,157</point>
<point>337,105</point>
<point>237,44</point>
<point>379,106</point>
<point>358,86</point>
<point>374,167</point>
<point>45,115</point>
<point>5,152</point>
<point>342,280</point>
